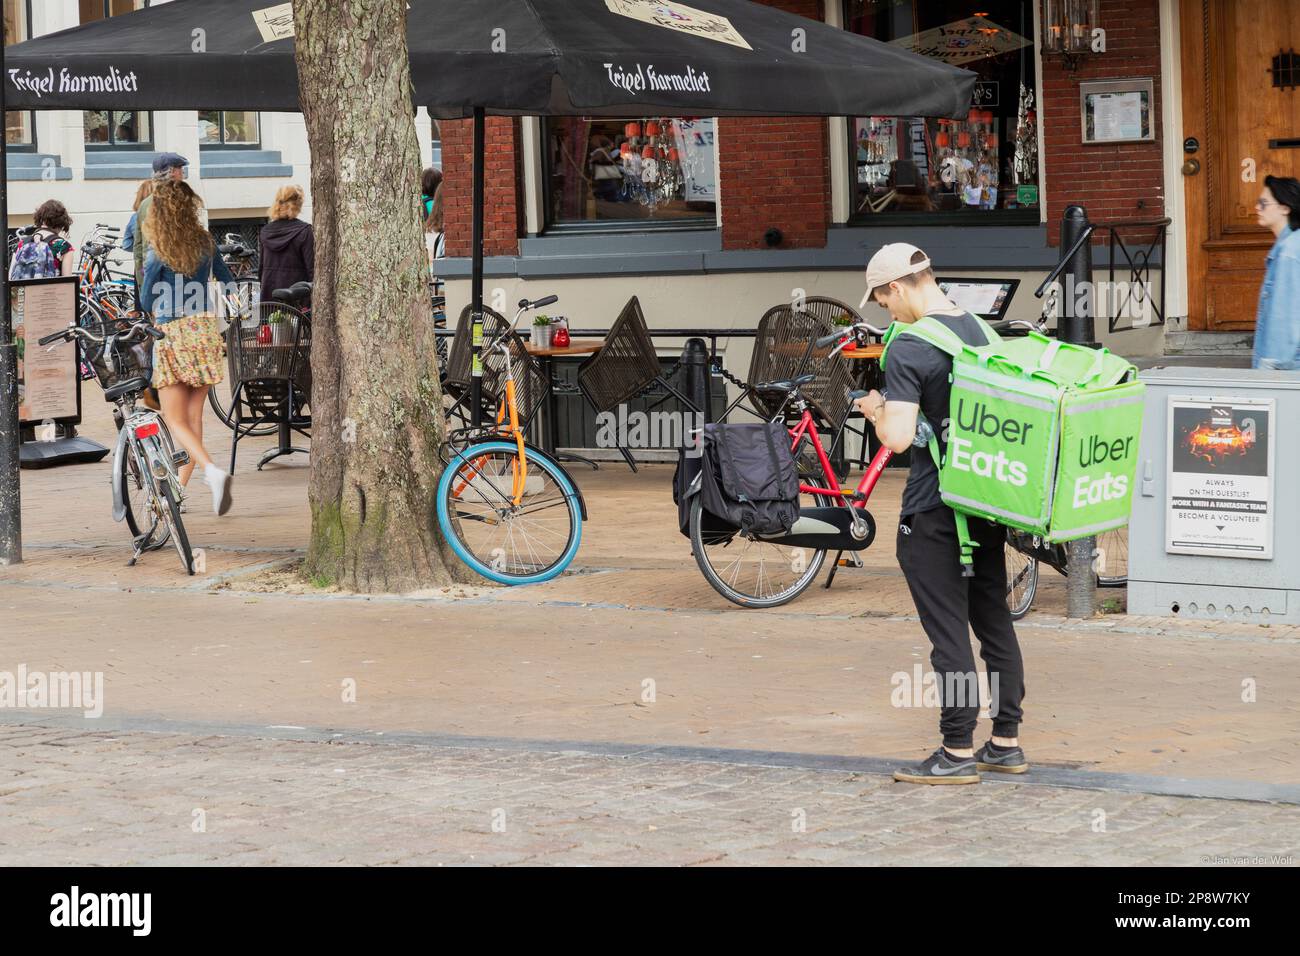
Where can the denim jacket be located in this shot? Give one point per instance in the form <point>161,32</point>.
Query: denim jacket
<point>1277,324</point>
<point>169,296</point>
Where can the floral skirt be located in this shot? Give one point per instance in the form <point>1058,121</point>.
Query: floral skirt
<point>192,354</point>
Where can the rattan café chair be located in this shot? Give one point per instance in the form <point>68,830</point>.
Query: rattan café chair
<point>625,367</point>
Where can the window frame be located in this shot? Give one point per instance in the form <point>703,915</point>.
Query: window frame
<point>705,223</point>
<point>223,145</point>
<point>112,144</point>
<point>108,9</point>
<point>960,217</point>
<point>31,114</point>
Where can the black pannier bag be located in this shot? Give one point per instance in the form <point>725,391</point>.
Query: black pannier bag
<point>748,477</point>
<point>713,529</point>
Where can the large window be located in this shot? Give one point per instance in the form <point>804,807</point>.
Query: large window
<point>19,125</point>
<point>229,128</point>
<point>114,129</point>
<point>633,172</point>
<point>982,167</point>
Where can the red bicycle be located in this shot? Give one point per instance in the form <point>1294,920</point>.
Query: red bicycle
<point>769,571</point>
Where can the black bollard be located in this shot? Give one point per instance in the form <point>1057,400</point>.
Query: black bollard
<point>695,377</point>
<point>1079,305</point>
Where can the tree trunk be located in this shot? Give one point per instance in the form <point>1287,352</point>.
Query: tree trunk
<point>376,402</point>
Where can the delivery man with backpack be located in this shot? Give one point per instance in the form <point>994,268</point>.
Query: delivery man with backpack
<point>951,598</point>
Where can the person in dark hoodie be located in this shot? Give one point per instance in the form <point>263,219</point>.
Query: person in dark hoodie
<point>288,249</point>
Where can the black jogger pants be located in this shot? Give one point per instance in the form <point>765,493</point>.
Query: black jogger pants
<point>930,556</point>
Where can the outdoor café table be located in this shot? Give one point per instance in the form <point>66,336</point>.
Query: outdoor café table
<point>268,357</point>
<point>546,357</point>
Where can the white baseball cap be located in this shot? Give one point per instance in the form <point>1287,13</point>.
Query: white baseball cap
<point>890,264</point>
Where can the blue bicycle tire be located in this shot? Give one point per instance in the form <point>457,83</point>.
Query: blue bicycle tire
<point>562,481</point>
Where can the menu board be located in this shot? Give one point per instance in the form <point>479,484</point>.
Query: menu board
<point>48,384</point>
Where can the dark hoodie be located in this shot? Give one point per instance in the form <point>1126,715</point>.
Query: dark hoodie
<point>288,254</point>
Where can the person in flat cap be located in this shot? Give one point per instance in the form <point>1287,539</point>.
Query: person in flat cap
<point>166,166</point>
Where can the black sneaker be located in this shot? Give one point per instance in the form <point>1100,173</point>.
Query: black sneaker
<point>940,768</point>
<point>1003,760</point>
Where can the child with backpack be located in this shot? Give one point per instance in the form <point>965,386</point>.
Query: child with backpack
<point>951,599</point>
<point>46,253</point>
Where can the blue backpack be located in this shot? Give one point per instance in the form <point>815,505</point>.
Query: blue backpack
<point>35,259</point>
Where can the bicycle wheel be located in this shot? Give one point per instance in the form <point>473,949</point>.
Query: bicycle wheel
<point>1022,580</point>
<point>141,519</point>
<point>1111,560</point>
<point>752,573</point>
<point>509,544</point>
<point>172,515</point>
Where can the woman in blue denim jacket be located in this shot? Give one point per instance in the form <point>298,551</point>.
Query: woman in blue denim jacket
<point>1277,324</point>
<point>180,261</point>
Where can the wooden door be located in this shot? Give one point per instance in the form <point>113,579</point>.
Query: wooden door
<point>1245,116</point>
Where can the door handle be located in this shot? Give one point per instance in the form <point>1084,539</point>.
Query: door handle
<point>1191,167</point>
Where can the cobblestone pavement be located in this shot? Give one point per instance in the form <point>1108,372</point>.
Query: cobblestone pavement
<point>140,798</point>
<point>235,648</point>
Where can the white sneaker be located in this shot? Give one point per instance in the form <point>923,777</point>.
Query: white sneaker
<point>219,481</point>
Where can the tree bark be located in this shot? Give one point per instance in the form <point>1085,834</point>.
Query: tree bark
<point>376,401</point>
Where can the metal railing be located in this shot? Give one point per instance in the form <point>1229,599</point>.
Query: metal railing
<point>1135,293</point>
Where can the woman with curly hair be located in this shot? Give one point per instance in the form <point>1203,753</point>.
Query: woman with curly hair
<point>181,259</point>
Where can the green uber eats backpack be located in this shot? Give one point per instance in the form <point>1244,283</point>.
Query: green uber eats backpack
<point>1042,434</point>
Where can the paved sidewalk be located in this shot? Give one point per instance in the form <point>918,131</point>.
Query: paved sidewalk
<point>115,799</point>
<point>632,648</point>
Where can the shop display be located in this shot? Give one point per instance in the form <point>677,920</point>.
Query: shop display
<point>662,162</point>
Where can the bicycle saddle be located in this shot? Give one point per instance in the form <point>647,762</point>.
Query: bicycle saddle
<point>298,292</point>
<point>786,385</point>
<point>125,388</point>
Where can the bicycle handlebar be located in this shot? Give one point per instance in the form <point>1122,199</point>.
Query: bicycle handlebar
<point>834,337</point>
<point>75,331</point>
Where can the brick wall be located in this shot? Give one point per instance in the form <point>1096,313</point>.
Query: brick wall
<point>775,173</point>
<point>1112,182</point>
<point>503,205</point>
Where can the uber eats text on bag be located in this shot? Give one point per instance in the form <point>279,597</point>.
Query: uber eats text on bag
<point>1042,434</point>
<point>748,477</point>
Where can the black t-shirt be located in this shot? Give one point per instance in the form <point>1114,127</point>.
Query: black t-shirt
<point>917,372</point>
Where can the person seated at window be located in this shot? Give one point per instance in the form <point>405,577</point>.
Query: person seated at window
<point>287,244</point>
<point>605,172</point>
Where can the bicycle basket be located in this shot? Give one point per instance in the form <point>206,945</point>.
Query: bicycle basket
<point>129,361</point>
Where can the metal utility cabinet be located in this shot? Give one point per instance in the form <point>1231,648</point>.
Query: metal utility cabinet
<point>1215,531</point>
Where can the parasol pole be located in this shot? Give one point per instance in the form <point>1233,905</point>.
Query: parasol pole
<point>476,277</point>
<point>11,525</point>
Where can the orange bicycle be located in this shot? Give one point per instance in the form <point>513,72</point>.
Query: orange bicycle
<point>508,509</point>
